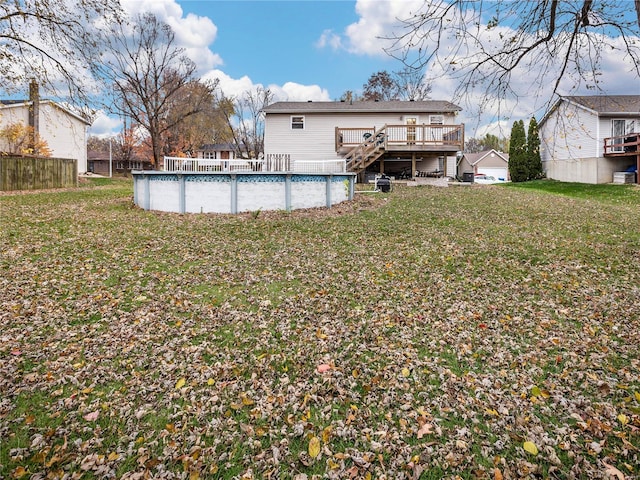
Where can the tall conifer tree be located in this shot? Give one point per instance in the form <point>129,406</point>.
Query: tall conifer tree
<point>518,168</point>
<point>533,151</point>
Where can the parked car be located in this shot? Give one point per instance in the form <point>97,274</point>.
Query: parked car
<point>481,178</point>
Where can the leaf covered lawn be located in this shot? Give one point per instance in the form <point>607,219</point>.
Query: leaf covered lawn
<point>430,333</point>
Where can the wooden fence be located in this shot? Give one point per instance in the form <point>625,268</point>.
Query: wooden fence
<point>33,173</point>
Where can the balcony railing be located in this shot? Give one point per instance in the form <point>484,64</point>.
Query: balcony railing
<point>628,144</point>
<point>417,136</point>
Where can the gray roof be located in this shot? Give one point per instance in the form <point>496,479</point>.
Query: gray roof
<point>394,106</point>
<point>604,104</point>
<point>216,147</point>
<point>474,158</point>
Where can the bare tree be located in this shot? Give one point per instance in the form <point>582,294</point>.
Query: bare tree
<point>149,76</point>
<point>189,132</point>
<point>381,86</point>
<point>486,43</point>
<point>406,84</point>
<point>52,41</point>
<point>245,120</point>
<point>411,84</point>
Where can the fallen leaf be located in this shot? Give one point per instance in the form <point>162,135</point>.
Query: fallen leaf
<point>425,429</point>
<point>180,383</point>
<point>613,471</point>
<point>497,474</point>
<point>19,472</point>
<point>323,368</point>
<point>406,372</point>
<point>623,419</point>
<point>92,417</point>
<point>314,447</point>
<point>530,447</point>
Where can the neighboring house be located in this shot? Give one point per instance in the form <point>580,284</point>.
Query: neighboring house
<point>490,162</point>
<point>101,163</point>
<point>64,131</point>
<point>588,138</point>
<point>394,137</point>
<point>217,151</point>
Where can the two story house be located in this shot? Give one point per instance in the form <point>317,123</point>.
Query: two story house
<point>587,139</point>
<point>64,130</point>
<point>393,137</point>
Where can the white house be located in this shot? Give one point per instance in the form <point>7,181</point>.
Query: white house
<point>64,131</point>
<point>587,139</point>
<point>489,162</point>
<point>216,151</point>
<point>394,137</point>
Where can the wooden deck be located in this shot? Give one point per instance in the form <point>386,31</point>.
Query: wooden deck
<point>403,138</point>
<point>360,147</point>
<point>624,146</point>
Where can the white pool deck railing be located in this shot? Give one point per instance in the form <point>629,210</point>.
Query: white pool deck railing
<point>277,164</point>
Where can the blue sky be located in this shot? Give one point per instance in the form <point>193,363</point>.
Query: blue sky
<point>276,42</point>
<point>317,49</point>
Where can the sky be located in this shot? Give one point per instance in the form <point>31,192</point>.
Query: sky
<point>318,49</point>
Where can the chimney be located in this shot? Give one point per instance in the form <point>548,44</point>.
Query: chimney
<point>34,108</point>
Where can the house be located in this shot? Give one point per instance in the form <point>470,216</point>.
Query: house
<point>217,151</point>
<point>587,139</point>
<point>490,162</point>
<point>392,137</point>
<point>101,162</point>
<point>64,130</point>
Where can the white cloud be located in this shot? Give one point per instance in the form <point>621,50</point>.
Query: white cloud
<point>379,20</point>
<point>105,126</point>
<point>295,92</point>
<point>329,39</point>
<point>231,87</point>
<point>290,91</point>
<point>193,33</point>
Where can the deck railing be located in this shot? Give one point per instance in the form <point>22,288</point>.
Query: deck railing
<point>319,166</point>
<point>273,163</point>
<point>623,144</point>
<point>403,135</point>
<point>190,165</point>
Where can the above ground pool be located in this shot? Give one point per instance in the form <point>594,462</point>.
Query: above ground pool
<point>224,192</point>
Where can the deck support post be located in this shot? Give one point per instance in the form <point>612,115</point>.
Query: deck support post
<point>413,164</point>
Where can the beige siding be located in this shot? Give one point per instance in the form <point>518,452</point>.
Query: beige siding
<point>569,133</point>
<point>317,140</point>
<point>65,134</point>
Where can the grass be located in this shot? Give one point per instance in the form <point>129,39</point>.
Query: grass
<point>608,193</point>
<point>153,344</point>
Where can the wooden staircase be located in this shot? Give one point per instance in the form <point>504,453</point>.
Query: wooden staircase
<point>370,150</point>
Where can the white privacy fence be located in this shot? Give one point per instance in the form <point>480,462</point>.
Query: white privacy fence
<point>273,163</point>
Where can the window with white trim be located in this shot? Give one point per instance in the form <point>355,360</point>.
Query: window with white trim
<point>436,119</point>
<point>297,122</point>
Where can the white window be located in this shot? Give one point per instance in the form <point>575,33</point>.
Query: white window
<point>297,123</point>
<point>436,119</point>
